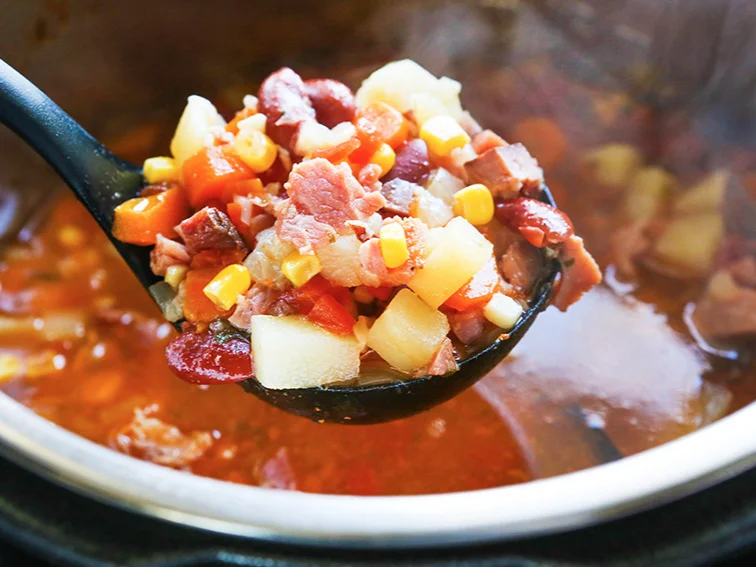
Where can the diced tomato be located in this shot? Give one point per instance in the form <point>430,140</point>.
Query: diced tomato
<point>378,123</point>
<point>382,293</point>
<point>303,299</point>
<point>216,258</point>
<point>332,316</point>
<point>478,291</point>
<point>141,219</point>
<point>339,152</point>
<point>209,172</point>
<point>198,358</point>
<point>197,306</point>
<point>233,125</point>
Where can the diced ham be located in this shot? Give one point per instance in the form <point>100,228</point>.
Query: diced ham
<point>443,361</point>
<point>332,100</point>
<point>375,273</point>
<point>322,198</point>
<point>412,162</point>
<point>283,100</point>
<point>257,301</point>
<point>468,326</point>
<point>486,140</point>
<point>399,195</point>
<point>580,273</point>
<point>277,472</point>
<point>167,253</point>
<point>369,176</point>
<point>469,124</point>
<point>210,229</point>
<point>506,171</point>
<point>151,439</point>
<point>539,223</point>
<point>521,266</point>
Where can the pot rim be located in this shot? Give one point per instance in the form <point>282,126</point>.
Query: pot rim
<point>579,499</point>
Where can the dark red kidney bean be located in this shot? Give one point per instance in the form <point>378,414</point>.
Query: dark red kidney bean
<point>198,358</point>
<point>539,223</point>
<point>283,99</point>
<point>412,162</point>
<point>333,101</point>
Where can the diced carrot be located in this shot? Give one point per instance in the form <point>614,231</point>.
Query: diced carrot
<point>209,172</point>
<point>140,220</point>
<point>339,152</point>
<point>378,123</point>
<point>216,258</point>
<point>197,306</point>
<point>304,298</point>
<point>234,211</point>
<point>543,137</point>
<point>331,315</point>
<point>478,291</point>
<point>233,125</point>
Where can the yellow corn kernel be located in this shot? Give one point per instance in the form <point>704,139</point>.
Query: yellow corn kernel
<point>10,367</point>
<point>384,157</point>
<point>393,245</point>
<point>474,203</point>
<point>300,268</point>
<point>225,288</point>
<point>71,236</point>
<point>174,275</point>
<point>255,149</point>
<point>160,169</point>
<point>443,134</point>
<point>362,294</point>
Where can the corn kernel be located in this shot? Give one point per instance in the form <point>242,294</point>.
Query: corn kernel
<point>10,367</point>
<point>71,236</point>
<point>362,294</point>
<point>502,311</point>
<point>384,157</point>
<point>174,275</point>
<point>474,203</point>
<point>443,134</point>
<point>300,268</point>
<point>225,288</point>
<point>255,149</point>
<point>393,245</point>
<point>160,169</point>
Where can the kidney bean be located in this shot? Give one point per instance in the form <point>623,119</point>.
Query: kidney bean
<point>539,223</point>
<point>412,162</point>
<point>333,101</point>
<point>198,358</point>
<point>283,99</point>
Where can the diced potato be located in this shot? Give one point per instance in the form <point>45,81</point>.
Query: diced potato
<point>340,261</point>
<point>408,333</point>
<point>196,122</point>
<point>614,165</point>
<point>397,84</point>
<point>362,330</point>
<point>456,256</point>
<point>689,243</point>
<point>649,189</point>
<point>443,185</point>
<point>705,197</point>
<point>313,136</point>
<point>503,311</point>
<point>291,352</point>
<point>432,210</point>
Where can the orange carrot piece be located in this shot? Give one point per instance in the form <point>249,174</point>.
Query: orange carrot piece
<point>140,220</point>
<point>197,306</point>
<point>378,123</point>
<point>210,171</point>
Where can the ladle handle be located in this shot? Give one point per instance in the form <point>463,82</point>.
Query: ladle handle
<point>99,179</point>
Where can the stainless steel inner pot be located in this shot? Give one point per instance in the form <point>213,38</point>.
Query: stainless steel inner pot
<point>114,64</point>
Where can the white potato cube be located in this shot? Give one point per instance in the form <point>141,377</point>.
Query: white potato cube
<point>614,165</point>
<point>705,197</point>
<point>196,122</point>
<point>503,311</point>
<point>291,352</point>
<point>340,261</point>
<point>689,244</point>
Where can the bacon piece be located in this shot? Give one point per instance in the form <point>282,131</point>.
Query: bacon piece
<point>283,100</point>
<point>468,326</point>
<point>539,223</point>
<point>520,266</point>
<point>375,273</point>
<point>257,301</point>
<point>506,171</point>
<point>322,198</point>
<point>151,439</point>
<point>399,195</point>
<point>412,162</point>
<point>167,253</point>
<point>369,176</point>
<point>443,361</point>
<point>333,101</point>
<point>580,273</point>
<point>210,229</point>
<point>487,139</point>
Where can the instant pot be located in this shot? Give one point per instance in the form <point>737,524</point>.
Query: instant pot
<point>110,65</point>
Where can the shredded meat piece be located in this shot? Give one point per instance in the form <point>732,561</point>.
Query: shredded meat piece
<point>277,472</point>
<point>284,101</point>
<point>257,301</point>
<point>506,171</point>
<point>167,253</point>
<point>520,265</point>
<point>580,273</point>
<point>399,195</point>
<point>468,326</point>
<point>369,176</point>
<point>151,439</point>
<point>487,139</point>
<point>210,229</point>
<point>322,198</point>
<point>443,361</point>
<point>375,273</point>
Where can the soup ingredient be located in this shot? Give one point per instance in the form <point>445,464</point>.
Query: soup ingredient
<point>194,126</point>
<point>141,220</point>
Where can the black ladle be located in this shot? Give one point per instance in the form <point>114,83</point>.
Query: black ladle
<point>101,181</point>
